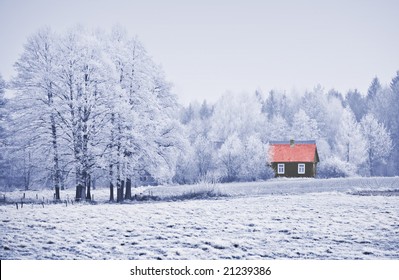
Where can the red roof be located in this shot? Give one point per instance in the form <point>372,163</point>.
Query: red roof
<point>295,153</point>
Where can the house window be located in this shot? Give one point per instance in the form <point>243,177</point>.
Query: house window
<point>280,168</point>
<point>301,168</point>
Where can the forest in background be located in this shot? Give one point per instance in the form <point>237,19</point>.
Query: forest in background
<point>92,108</point>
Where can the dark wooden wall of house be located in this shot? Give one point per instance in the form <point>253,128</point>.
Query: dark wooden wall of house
<point>291,169</point>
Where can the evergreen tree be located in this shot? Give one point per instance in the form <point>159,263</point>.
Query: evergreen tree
<point>205,111</point>
<point>394,125</point>
<point>357,103</point>
<point>395,83</point>
<point>373,89</point>
<point>270,107</point>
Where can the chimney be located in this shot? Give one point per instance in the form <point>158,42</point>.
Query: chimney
<point>292,143</point>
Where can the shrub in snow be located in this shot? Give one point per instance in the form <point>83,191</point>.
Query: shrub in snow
<point>333,167</point>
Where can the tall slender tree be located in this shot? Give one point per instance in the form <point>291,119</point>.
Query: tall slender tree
<point>350,144</point>
<point>373,89</point>
<point>37,91</point>
<point>378,142</point>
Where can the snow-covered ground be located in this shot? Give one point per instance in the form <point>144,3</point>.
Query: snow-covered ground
<point>301,219</point>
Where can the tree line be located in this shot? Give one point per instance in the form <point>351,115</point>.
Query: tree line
<point>356,134</point>
<point>92,108</point>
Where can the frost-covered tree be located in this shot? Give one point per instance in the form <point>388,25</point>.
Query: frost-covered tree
<point>235,114</point>
<point>187,115</point>
<point>350,145</point>
<point>37,89</point>
<point>276,129</point>
<point>254,159</point>
<point>86,85</point>
<point>314,102</point>
<point>230,158</point>
<point>378,142</point>
<point>205,155</point>
<point>186,170</point>
<point>303,127</point>
<point>271,106</point>
<point>357,103</point>
<point>2,128</point>
<point>145,135</point>
<point>393,126</point>
<point>383,106</point>
<point>205,111</point>
<point>375,86</point>
<point>276,104</point>
<point>334,94</point>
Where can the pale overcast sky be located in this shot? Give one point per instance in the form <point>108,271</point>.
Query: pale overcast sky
<point>209,47</point>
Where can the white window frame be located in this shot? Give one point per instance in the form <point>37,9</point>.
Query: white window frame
<point>301,168</point>
<point>281,168</point>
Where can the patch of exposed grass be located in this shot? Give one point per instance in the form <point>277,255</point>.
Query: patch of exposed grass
<point>203,190</point>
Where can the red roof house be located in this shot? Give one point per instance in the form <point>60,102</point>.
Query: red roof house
<point>294,158</point>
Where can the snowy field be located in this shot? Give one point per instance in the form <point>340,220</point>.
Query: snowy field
<point>278,219</point>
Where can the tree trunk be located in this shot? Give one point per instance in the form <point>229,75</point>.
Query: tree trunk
<point>88,195</point>
<point>56,178</point>
<point>371,166</point>
<point>62,181</point>
<point>83,192</point>
<point>111,191</point>
<point>56,170</point>
<point>79,188</point>
<point>122,190</point>
<point>128,194</point>
<point>119,191</point>
<point>57,193</point>
<point>26,172</point>
<point>78,182</point>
